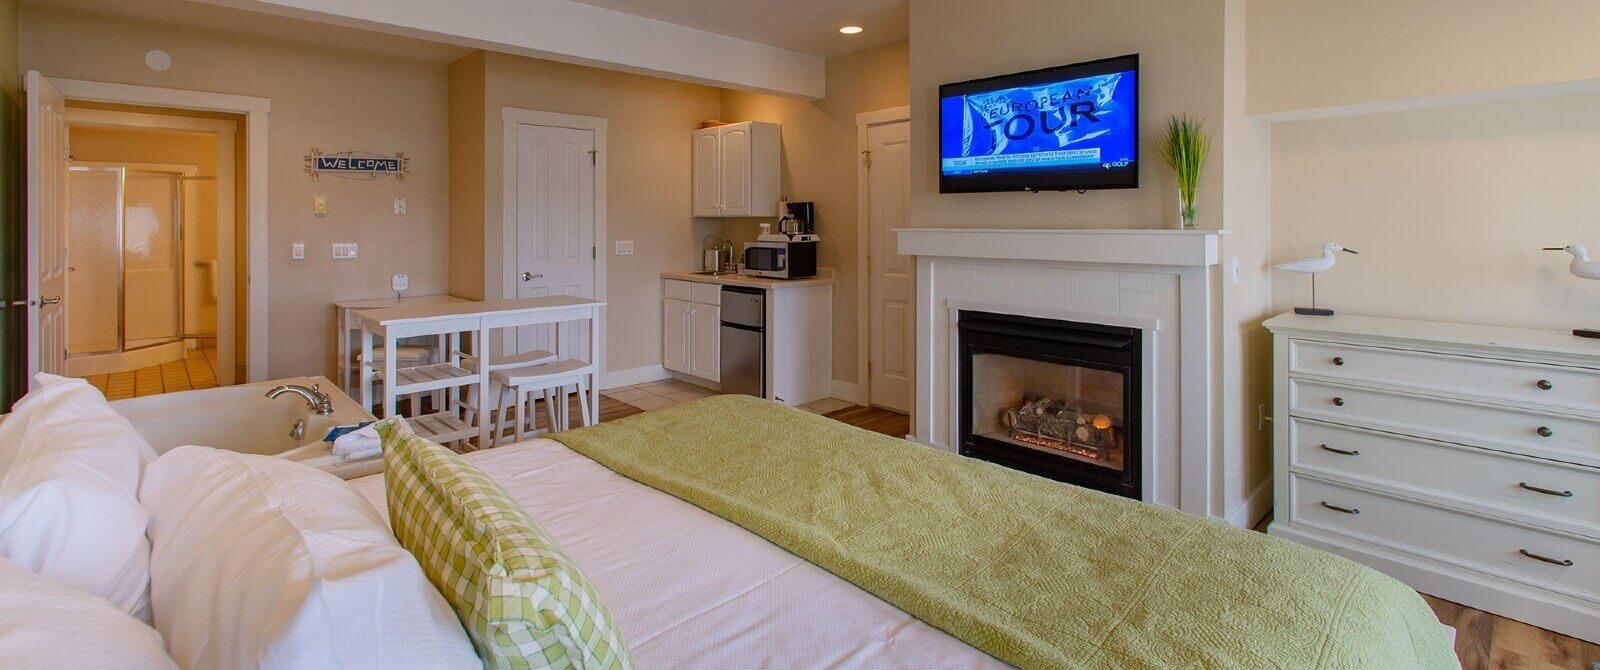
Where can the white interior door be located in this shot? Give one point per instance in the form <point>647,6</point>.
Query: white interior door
<point>555,229</point>
<point>892,343</point>
<point>47,228</point>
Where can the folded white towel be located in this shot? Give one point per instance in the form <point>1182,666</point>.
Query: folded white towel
<point>357,444</point>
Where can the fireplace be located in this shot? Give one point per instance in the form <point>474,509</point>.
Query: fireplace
<point>1055,398</point>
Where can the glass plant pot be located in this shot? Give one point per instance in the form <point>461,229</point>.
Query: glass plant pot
<point>1187,208</point>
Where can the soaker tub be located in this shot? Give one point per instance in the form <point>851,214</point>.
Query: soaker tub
<point>241,418</point>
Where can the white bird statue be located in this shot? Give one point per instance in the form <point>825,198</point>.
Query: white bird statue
<point>1583,268</point>
<point>1314,266</point>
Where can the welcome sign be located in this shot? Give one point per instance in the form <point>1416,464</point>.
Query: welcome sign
<point>357,164</point>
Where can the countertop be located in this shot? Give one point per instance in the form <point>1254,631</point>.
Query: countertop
<point>824,277</point>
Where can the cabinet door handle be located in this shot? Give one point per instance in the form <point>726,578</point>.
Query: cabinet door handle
<point>1346,510</point>
<point>1338,402</point>
<point>1342,452</point>
<point>1548,492</point>
<point>1545,385</point>
<point>1563,562</point>
<point>1544,431</point>
<point>1338,360</point>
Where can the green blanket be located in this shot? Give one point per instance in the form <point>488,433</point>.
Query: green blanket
<point>1036,573</point>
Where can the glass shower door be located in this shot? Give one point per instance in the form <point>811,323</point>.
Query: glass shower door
<point>94,243</point>
<point>152,258</point>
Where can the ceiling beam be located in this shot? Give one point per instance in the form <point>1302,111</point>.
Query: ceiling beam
<point>572,32</point>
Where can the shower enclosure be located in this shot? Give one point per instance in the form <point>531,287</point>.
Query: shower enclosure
<point>141,278</point>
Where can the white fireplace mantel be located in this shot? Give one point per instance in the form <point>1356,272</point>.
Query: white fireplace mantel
<point>1161,278</point>
<point>1193,248</point>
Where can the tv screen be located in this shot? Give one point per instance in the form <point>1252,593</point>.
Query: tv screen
<point>1073,127</point>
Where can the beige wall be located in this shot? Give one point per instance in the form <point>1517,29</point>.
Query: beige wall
<point>468,274</point>
<point>1308,54</point>
<point>321,97</point>
<point>1180,48</point>
<point>820,165</point>
<point>647,181</point>
<point>1448,208</point>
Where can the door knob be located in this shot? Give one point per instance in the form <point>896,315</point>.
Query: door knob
<point>529,276</point>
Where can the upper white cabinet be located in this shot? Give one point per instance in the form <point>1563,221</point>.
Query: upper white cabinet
<point>736,169</point>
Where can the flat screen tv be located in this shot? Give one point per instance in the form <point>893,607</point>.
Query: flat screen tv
<point>1067,128</point>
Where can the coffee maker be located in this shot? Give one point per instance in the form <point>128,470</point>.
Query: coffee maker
<point>799,221</point>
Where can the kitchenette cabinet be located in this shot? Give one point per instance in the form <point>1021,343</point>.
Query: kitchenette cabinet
<point>795,343</point>
<point>735,169</point>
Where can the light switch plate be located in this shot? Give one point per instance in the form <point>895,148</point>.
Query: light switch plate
<point>399,283</point>
<point>297,251</point>
<point>400,206</point>
<point>344,250</point>
<point>624,247</point>
<point>319,205</point>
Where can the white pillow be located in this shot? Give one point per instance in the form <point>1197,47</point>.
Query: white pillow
<point>69,484</point>
<point>263,562</point>
<point>46,624</point>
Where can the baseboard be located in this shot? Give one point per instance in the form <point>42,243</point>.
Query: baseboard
<point>844,390</point>
<point>617,378</point>
<point>1254,508</point>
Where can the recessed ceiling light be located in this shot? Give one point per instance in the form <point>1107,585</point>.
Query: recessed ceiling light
<point>850,30</point>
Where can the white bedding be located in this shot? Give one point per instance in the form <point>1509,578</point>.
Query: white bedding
<point>689,589</point>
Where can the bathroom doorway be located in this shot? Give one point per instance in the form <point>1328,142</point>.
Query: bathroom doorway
<point>148,196</point>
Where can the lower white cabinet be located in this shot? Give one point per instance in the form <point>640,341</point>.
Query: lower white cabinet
<point>691,333</point>
<point>705,336</point>
<point>1463,460</point>
<point>675,335</point>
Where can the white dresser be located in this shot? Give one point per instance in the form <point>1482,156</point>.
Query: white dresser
<point>1463,460</point>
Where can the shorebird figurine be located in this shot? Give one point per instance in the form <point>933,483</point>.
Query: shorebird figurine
<point>1583,268</point>
<point>1314,266</point>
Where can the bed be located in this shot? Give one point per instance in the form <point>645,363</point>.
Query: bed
<point>735,533</point>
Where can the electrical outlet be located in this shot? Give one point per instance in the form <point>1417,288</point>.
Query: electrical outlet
<point>399,283</point>
<point>624,247</point>
<point>297,251</point>
<point>319,205</point>
<point>344,250</point>
<point>400,206</point>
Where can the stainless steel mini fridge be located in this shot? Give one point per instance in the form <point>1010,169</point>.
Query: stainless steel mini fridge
<point>744,341</point>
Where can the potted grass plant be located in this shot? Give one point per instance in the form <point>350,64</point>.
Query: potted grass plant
<point>1185,146</point>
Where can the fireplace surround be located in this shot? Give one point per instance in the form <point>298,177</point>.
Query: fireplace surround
<point>1055,398</point>
<point>1161,283</point>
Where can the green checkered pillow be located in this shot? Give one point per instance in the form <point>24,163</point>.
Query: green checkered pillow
<point>522,601</point>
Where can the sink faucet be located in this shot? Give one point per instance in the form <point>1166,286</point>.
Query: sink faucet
<point>320,402</point>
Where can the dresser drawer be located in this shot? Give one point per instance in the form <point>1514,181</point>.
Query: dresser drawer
<point>1484,378</point>
<point>1498,428</point>
<point>1497,548</point>
<point>1518,483</point>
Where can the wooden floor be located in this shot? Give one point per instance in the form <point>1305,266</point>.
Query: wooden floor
<point>1483,641</point>
<point>197,371</point>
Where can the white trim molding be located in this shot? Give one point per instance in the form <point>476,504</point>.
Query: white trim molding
<point>631,376</point>
<point>256,112</point>
<point>1157,281</point>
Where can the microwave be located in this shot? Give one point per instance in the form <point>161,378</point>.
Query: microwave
<point>780,260</point>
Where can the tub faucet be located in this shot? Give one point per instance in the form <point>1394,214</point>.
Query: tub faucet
<point>320,402</point>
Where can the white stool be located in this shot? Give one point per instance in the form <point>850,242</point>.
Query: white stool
<point>548,379</point>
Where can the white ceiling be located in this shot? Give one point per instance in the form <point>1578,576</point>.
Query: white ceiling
<point>809,26</point>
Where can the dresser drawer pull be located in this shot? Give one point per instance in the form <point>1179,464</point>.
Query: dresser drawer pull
<point>1346,510</point>
<point>1544,432</point>
<point>1563,562</point>
<point>1548,492</point>
<point>1545,385</point>
<point>1342,452</point>
<point>1338,402</point>
<point>1338,360</point>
